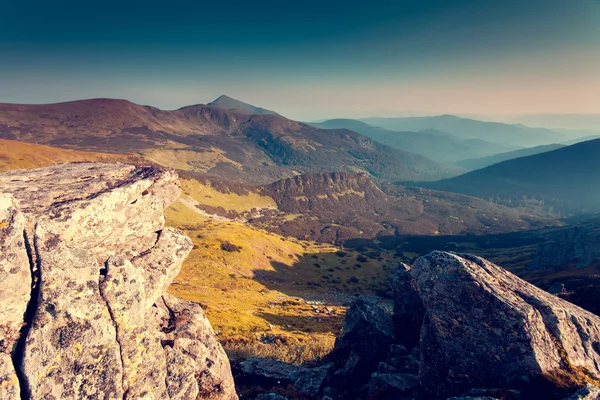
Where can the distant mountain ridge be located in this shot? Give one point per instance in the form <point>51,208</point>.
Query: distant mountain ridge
<point>432,143</point>
<point>227,103</point>
<point>229,144</point>
<point>565,180</point>
<point>495,132</point>
<point>482,162</point>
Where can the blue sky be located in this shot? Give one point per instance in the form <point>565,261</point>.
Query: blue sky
<point>308,59</point>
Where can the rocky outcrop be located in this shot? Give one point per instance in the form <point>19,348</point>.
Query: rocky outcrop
<point>484,327</point>
<point>572,247</point>
<point>85,263</point>
<point>366,338</point>
<point>408,308</point>
<point>481,333</point>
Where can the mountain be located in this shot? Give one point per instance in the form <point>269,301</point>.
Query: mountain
<point>482,162</point>
<point>495,132</point>
<point>437,145</point>
<point>229,144</point>
<point>338,207</point>
<point>566,180</point>
<point>227,103</point>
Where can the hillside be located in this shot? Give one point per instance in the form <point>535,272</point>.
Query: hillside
<point>482,162</point>
<point>564,180</point>
<point>339,207</point>
<point>494,132</point>
<point>431,143</point>
<point>228,144</point>
<point>19,155</point>
<point>227,103</point>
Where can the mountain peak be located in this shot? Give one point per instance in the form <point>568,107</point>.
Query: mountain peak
<point>229,103</point>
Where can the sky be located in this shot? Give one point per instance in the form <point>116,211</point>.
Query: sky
<point>309,59</point>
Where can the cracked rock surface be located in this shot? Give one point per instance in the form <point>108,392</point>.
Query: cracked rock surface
<point>84,267</point>
<point>485,327</point>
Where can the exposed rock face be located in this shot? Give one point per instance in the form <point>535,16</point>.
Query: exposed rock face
<point>408,308</point>
<point>485,327</point>
<point>368,332</point>
<point>99,324</point>
<point>15,282</point>
<point>586,393</point>
<point>574,247</point>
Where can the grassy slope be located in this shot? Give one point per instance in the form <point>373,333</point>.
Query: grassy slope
<point>269,287</point>
<point>19,155</point>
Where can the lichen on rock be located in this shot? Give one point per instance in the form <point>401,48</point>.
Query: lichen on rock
<point>98,324</point>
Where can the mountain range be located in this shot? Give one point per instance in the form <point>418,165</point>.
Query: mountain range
<point>432,143</point>
<point>565,180</point>
<point>495,132</point>
<point>482,162</point>
<point>209,139</point>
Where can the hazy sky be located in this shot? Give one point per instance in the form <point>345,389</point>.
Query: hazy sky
<point>308,59</point>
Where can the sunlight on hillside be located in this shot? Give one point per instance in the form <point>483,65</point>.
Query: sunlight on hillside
<point>19,155</point>
<point>187,160</point>
<point>268,295</point>
<point>207,195</point>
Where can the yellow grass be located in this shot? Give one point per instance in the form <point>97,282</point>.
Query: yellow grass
<point>187,160</point>
<point>19,155</point>
<point>205,194</point>
<point>265,289</point>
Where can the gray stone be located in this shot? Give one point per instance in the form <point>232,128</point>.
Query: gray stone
<point>310,381</point>
<point>268,370</point>
<point>389,386</point>
<point>270,396</point>
<point>408,308</point>
<point>588,392</point>
<point>556,288</point>
<point>368,332</point>
<point>486,327</point>
<point>15,290</point>
<point>103,327</point>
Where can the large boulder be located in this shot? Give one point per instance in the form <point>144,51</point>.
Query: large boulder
<point>485,327</point>
<point>267,372</point>
<point>97,321</point>
<point>367,335</point>
<point>408,308</point>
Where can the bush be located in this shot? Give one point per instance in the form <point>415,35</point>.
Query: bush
<point>230,247</point>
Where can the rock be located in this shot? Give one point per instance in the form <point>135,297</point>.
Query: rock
<point>9,383</point>
<point>193,337</point>
<point>556,288</point>
<point>486,327</point>
<point>101,326</point>
<point>408,308</point>
<point>270,396</point>
<point>368,332</point>
<point>505,394</point>
<point>15,290</point>
<point>578,246</point>
<point>268,371</point>
<point>390,386</point>
<point>588,392</point>
<point>473,398</point>
<point>310,381</point>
